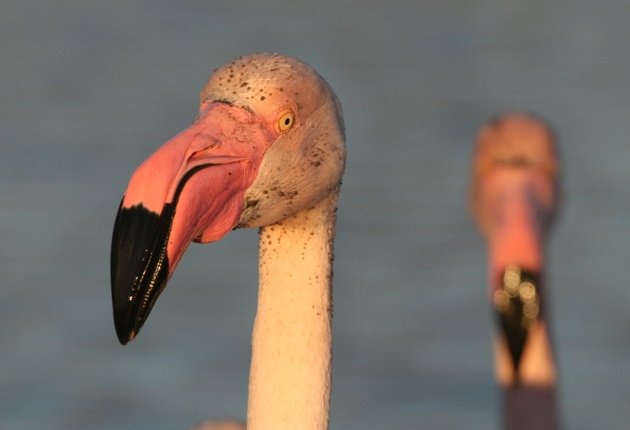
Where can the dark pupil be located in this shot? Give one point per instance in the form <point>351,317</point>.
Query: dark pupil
<point>287,121</point>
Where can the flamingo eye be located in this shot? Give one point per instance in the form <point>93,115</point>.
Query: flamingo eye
<point>286,121</point>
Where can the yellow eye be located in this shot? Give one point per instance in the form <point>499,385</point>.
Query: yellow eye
<point>286,121</point>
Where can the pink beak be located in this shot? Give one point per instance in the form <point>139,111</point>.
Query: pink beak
<point>192,188</point>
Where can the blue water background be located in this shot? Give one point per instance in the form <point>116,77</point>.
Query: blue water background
<point>89,89</point>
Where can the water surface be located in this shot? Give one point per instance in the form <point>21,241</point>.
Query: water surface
<point>90,89</point>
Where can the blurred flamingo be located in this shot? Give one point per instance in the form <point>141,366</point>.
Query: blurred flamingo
<point>514,197</point>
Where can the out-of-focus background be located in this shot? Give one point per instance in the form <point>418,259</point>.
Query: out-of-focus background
<point>89,89</point>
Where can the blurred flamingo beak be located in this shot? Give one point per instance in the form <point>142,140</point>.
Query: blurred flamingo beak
<point>192,188</point>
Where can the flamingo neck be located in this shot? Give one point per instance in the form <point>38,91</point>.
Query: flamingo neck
<point>290,375</point>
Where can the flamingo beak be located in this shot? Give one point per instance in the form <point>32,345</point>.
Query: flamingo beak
<point>192,188</point>
<point>517,306</point>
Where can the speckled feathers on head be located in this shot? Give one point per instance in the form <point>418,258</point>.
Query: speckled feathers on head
<point>306,162</point>
<point>268,83</point>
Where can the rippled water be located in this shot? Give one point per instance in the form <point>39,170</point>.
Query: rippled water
<point>89,89</point>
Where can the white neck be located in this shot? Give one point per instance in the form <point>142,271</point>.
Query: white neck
<point>289,382</point>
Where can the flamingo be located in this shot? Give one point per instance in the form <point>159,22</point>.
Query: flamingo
<point>514,197</point>
<point>267,150</point>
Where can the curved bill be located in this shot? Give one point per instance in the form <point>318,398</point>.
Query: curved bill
<point>191,188</point>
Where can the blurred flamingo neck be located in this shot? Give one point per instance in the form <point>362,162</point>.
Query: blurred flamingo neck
<point>289,385</point>
<point>516,237</point>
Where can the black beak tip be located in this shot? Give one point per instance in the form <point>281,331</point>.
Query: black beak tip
<point>139,266</point>
<point>123,323</point>
<point>124,335</point>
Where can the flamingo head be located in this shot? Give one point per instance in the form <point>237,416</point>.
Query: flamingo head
<point>515,171</point>
<point>268,142</point>
<point>513,199</point>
